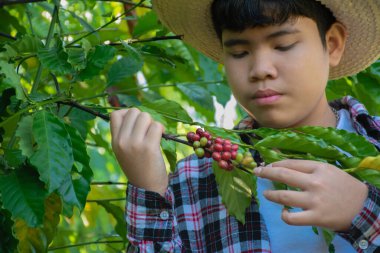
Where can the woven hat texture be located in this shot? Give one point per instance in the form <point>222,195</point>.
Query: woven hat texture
<point>361,17</point>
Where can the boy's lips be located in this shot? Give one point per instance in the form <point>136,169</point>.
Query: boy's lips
<point>265,97</point>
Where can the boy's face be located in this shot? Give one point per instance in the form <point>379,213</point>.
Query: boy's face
<point>278,73</point>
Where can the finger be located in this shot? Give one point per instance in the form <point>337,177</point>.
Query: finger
<point>141,127</point>
<point>154,133</point>
<point>304,218</point>
<point>305,166</point>
<point>289,198</point>
<point>128,124</point>
<point>284,175</point>
<point>116,119</point>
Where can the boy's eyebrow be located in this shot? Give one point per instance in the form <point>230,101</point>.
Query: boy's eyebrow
<point>283,32</point>
<point>235,42</point>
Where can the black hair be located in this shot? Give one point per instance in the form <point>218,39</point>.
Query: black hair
<point>238,15</point>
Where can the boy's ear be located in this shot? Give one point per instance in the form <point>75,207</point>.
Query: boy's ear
<point>336,38</point>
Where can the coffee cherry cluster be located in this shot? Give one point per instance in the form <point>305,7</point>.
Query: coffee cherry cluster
<point>225,153</point>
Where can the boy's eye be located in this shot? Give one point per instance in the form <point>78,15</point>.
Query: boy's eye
<point>285,48</point>
<point>239,55</point>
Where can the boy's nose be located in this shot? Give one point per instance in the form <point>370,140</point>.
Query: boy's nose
<point>261,68</point>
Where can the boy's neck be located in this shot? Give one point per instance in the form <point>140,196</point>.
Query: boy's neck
<point>322,116</point>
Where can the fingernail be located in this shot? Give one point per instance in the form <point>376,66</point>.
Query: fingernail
<point>257,170</point>
<point>269,165</point>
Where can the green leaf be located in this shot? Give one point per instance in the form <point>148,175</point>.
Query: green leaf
<point>10,79</point>
<point>77,58</point>
<point>14,157</point>
<point>118,214</point>
<point>23,195</point>
<point>25,134</point>
<point>170,151</point>
<point>97,61</point>
<point>171,109</point>
<point>8,243</point>
<point>236,189</point>
<point>352,143</point>
<point>54,155</point>
<point>146,23</point>
<point>28,44</point>
<point>55,59</point>
<point>197,94</point>
<point>123,68</point>
<point>298,142</point>
<point>74,191</point>
<point>329,235</point>
<point>367,89</point>
<point>78,146</point>
<point>38,239</point>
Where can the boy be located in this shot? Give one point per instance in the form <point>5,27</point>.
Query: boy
<point>278,57</point>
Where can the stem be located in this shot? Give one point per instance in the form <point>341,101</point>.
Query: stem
<point>31,107</point>
<point>7,36</point>
<point>100,200</point>
<point>132,41</point>
<point>83,244</point>
<point>48,40</point>
<point>108,183</point>
<point>113,20</point>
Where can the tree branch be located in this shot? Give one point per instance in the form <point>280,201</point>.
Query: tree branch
<point>107,118</point>
<point>108,183</point>
<point>7,36</point>
<point>133,41</point>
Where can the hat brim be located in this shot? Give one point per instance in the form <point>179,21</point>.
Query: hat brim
<point>192,19</point>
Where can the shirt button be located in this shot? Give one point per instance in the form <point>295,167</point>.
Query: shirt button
<point>164,215</point>
<point>363,244</point>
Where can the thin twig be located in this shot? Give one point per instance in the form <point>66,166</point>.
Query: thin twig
<point>8,36</point>
<point>159,38</point>
<point>84,244</point>
<point>100,200</point>
<point>108,183</point>
<point>113,20</point>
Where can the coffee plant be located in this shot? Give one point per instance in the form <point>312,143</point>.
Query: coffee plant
<point>65,65</point>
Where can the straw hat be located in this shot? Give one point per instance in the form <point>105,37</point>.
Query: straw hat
<point>192,19</point>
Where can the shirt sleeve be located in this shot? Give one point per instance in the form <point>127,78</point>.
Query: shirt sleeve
<point>364,233</point>
<point>151,223</point>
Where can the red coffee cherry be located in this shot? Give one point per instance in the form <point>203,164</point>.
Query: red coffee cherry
<point>218,140</point>
<point>190,136</point>
<point>227,147</point>
<point>218,147</point>
<point>223,164</point>
<point>226,156</point>
<point>196,137</point>
<point>235,147</point>
<point>216,156</point>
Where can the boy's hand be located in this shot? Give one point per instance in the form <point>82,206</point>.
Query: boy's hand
<point>330,197</point>
<point>136,143</point>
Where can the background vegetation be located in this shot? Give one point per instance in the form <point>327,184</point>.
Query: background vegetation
<point>64,65</point>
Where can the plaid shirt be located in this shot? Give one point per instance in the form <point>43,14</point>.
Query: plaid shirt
<point>192,218</point>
